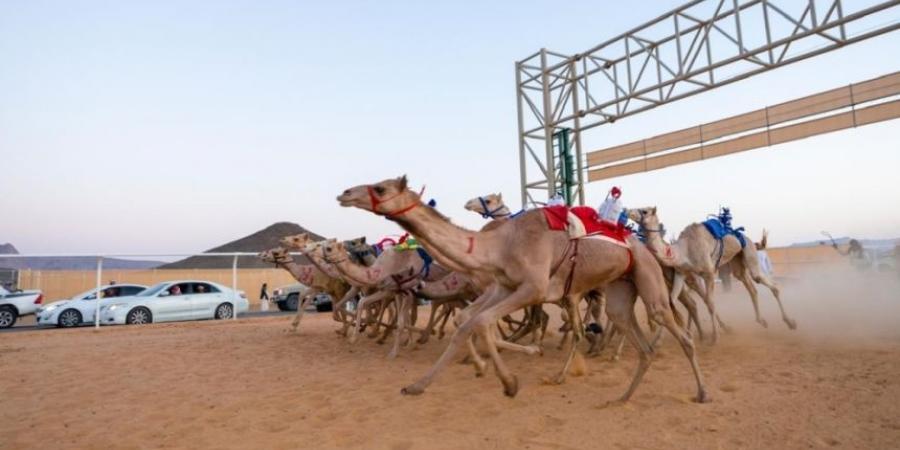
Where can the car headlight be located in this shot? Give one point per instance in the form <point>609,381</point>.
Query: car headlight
<point>47,309</point>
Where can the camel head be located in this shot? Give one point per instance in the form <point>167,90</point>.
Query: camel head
<point>357,245</point>
<point>296,242</point>
<point>486,205</point>
<point>645,217</point>
<point>388,198</point>
<point>334,251</point>
<point>277,255</point>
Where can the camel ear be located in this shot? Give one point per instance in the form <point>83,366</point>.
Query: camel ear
<point>403,182</point>
<point>362,240</point>
<point>500,196</point>
<point>653,210</point>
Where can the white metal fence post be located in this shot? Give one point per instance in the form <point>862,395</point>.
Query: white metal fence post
<point>234,290</point>
<point>97,297</point>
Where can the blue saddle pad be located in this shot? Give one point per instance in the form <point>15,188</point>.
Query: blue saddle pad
<point>719,231</point>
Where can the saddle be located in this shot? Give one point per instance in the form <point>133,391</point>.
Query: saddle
<point>584,222</point>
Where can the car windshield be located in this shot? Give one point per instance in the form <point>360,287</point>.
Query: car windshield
<point>153,290</point>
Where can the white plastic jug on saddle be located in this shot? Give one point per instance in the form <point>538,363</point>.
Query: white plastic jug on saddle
<point>612,210</point>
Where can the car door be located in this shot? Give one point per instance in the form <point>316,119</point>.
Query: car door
<point>206,298</point>
<point>171,304</point>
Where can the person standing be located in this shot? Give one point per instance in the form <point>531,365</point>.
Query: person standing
<point>264,297</point>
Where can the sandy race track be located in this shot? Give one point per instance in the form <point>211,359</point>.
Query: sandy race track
<point>252,384</point>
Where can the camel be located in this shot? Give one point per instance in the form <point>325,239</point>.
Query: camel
<point>697,253</point>
<point>453,291</point>
<point>310,275</point>
<point>360,252</point>
<point>395,273</point>
<point>531,264</point>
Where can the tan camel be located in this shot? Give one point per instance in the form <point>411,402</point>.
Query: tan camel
<point>453,291</point>
<point>531,263</point>
<point>303,243</point>
<point>394,273</point>
<point>318,281</point>
<point>697,253</point>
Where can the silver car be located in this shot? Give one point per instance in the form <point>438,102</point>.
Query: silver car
<point>175,301</point>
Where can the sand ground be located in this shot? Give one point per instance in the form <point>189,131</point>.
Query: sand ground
<point>252,384</point>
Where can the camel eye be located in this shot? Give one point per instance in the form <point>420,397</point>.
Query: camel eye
<point>379,190</point>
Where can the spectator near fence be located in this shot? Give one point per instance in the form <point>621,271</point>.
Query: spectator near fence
<point>264,297</point>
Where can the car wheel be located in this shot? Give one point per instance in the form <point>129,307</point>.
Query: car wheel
<point>224,311</point>
<point>8,316</point>
<point>292,302</point>
<point>69,318</point>
<point>139,316</point>
<point>281,306</point>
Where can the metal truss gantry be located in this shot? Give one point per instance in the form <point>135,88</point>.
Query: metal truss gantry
<point>694,48</point>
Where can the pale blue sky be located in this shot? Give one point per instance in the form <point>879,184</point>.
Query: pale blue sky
<point>176,126</point>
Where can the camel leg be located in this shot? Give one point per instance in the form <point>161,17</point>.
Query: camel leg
<point>432,320</point>
<point>302,306</point>
<point>339,306</point>
<point>754,296</point>
<point>688,301</point>
<point>620,310</point>
<point>577,331</point>
<point>447,315</point>
<point>694,283</point>
<point>459,338</point>
<point>618,353</point>
<point>361,307</point>
<point>392,312</point>
<point>523,296</point>
<point>403,301</point>
<point>707,294</point>
<point>756,274</point>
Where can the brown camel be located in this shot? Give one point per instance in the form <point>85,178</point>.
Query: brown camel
<point>697,253</point>
<point>531,263</point>
<point>318,281</point>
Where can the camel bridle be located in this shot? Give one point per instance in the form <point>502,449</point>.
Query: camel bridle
<point>488,213</point>
<point>391,214</point>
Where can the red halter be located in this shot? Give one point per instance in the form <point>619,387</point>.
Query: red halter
<point>375,202</point>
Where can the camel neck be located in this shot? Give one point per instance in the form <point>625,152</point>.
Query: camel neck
<point>323,265</point>
<point>298,272</point>
<point>665,253</point>
<point>466,249</point>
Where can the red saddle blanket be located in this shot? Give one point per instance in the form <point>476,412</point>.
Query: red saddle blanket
<point>558,218</point>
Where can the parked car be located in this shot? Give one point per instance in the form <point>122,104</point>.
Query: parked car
<point>81,308</point>
<point>174,301</point>
<point>16,304</point>
<point>287,298</point>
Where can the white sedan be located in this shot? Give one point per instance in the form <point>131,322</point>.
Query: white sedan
<point>80,309</point>
<point>173,301</point>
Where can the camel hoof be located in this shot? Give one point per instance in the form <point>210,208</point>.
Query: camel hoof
<point>512,388</point>
<point>392,355</point>
<point>764,323</point>
<point>791,323</point>
<point>703,397</point>
<point>412,390</point>
<point>559,379</point>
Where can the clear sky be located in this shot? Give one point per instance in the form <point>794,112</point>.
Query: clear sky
<point>174,126</point>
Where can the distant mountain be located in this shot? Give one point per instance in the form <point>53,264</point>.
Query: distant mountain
<point>67,263</point>
<point>264,239</point>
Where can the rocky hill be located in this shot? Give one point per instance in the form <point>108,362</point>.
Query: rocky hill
<point>256,242</point>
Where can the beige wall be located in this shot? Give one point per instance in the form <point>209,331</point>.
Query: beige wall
<point>59,284</point>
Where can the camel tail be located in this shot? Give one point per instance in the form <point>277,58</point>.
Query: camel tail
<point>764,241</point>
